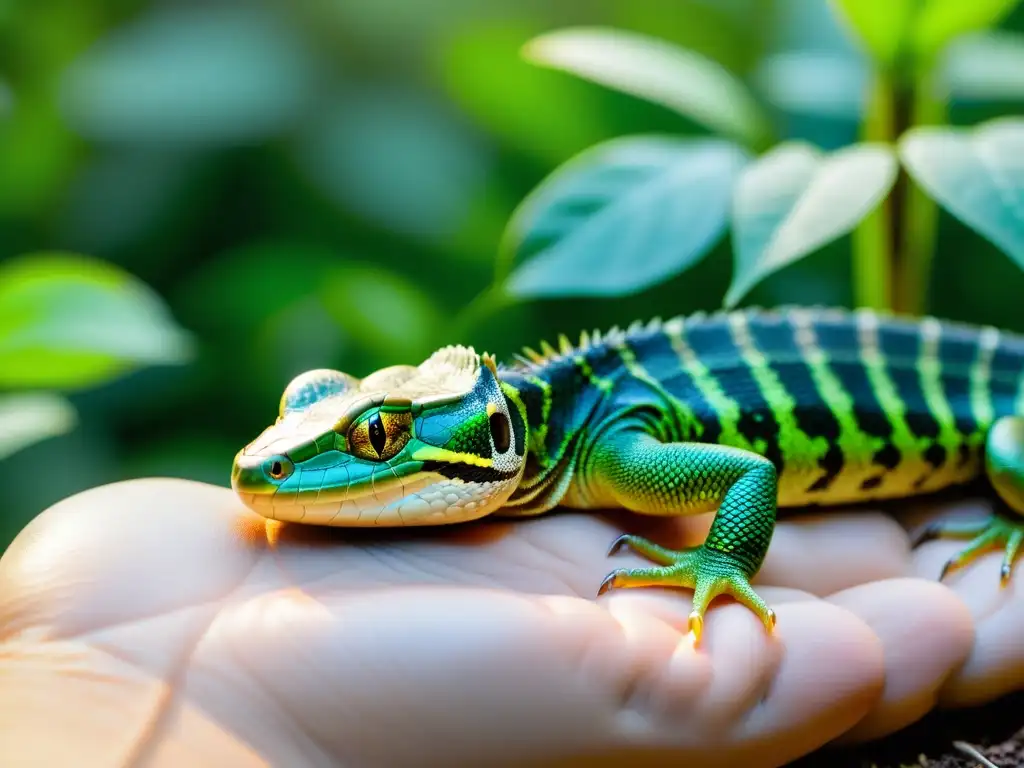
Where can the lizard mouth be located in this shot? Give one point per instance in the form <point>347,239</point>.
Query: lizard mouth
<point>366,504</point>
<point>427,498</point>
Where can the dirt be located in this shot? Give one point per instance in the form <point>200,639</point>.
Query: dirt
<point>996,731</point>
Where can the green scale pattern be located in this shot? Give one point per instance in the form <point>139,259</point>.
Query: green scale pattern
<point>648,476</point>
<point>723,411</point>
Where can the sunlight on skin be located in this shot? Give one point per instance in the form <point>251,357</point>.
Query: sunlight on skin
<point>923,648</point>
<point>160,620</point>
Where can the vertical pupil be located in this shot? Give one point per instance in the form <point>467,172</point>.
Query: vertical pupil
<point>275,468</point>
<point>378,439</point>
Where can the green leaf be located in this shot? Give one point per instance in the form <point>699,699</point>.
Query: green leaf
<point>69,321</point>
<point>192,75</point>
<point>622,216</point>
<point>881,25</point>
<point>889,27</point>
<point>652,69</point>
<point>28,418</point>
<point>535,111</point>
<point>814,83</point>
<point>939,21</point>
<point>795,199</point>
<point>985,67</point>
<point>976,174</point>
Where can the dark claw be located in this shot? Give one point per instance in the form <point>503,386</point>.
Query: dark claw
<point>947,568</point>
<point>608,583</point>
<point>618,545</point>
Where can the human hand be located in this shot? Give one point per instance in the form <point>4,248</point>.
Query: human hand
<point>161,620</point>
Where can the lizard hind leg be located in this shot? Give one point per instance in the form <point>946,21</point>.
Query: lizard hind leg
<point>1004,466</point>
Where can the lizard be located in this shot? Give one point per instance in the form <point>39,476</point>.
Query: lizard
<point>745,412</point>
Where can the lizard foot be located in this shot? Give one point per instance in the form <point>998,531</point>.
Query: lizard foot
<point>708,572</point>
<point>994,533</point>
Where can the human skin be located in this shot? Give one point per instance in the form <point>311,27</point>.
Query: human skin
<point>160,622</point>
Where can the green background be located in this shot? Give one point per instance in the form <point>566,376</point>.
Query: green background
<point>324,183</point>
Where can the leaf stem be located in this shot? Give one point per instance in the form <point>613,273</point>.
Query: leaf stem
<point>872,242</point>
<point>893,247</point>
<point>903,285</point>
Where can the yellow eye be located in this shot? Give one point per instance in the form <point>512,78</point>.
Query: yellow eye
<point>381,436</point>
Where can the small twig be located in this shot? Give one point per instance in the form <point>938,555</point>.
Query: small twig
<point>973,753</point>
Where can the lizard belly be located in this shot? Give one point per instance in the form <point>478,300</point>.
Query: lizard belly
<point>860,481</point>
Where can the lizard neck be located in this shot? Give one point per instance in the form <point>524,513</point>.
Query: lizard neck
<point>558,399</point>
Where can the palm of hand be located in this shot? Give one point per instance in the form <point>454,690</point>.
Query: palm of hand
<point>161,619</point>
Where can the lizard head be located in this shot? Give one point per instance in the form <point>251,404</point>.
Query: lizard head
<point>441,442</point>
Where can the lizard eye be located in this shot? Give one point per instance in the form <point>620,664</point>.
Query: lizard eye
<point>380,436</point>
<point>500,432</point>
<point>378,439</point>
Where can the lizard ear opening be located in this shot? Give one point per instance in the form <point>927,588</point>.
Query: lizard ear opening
<point>312,386</point>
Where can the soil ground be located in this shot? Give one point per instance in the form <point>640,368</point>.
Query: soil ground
<point>996,731</point>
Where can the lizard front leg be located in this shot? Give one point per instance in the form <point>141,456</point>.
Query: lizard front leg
<point>645,475</point>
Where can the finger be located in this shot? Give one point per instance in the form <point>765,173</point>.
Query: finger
<point>995,666</point>
<point>474,677</point>
<point>926,632</point>
<point>824,553</point>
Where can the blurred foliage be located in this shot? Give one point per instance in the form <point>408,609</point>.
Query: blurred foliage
<point>790,201</point>
<point>73,322</point>
<point>663,198</point>
<point>267,186</point>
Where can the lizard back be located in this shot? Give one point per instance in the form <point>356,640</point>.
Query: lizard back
<point>849,405</point>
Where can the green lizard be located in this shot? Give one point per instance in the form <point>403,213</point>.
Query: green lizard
<point>741,411</point>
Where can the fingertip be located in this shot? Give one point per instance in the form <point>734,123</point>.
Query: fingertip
<point>995,666</point>
<point>926,632</point>
<point>759,697</point>
<point>831,673</point>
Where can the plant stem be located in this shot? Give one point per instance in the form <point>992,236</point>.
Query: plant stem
<point>893,246</point>
<point>872,242</point>
<point>921,219</point>
<point>903,278</point>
